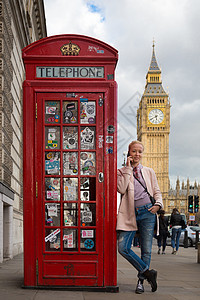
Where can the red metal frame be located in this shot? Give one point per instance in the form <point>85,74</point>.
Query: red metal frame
<point>46,52</point>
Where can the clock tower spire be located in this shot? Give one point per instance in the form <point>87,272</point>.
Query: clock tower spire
<point>153,126</point>
<point>153,64</point>
<point>153,77</point>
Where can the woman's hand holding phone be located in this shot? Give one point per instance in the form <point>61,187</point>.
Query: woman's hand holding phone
<point>129,160</point>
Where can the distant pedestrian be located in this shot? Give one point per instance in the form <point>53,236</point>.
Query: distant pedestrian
<point>163,232</point>
<point>176,225</point>
<point>136,241</point>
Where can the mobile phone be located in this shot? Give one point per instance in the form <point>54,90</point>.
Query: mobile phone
<point>128,154</point>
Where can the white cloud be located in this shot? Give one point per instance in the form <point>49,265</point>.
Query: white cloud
<point>75,17</point>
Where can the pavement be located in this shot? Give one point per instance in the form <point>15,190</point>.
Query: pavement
<point>178,278</point>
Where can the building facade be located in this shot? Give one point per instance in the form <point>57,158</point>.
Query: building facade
<point>21,23</point>
<point>179,198</point>
<point>153,126</point>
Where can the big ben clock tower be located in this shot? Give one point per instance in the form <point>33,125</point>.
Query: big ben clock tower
<point>153,127</point>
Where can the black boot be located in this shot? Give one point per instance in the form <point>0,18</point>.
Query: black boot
<point>151,276</point>
<point>139,288</point>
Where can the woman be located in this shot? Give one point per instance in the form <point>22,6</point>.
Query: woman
<point>176,225</point>
<point>136,212</point>
<point>163,230</point>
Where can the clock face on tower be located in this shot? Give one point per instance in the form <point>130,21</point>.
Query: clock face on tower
<point>156,116</point>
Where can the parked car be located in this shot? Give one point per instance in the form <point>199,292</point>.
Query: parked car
<point>191,236</point>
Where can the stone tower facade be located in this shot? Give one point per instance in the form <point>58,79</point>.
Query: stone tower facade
<point>153,126</point>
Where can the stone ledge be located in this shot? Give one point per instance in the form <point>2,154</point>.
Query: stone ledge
<point>4,189</point>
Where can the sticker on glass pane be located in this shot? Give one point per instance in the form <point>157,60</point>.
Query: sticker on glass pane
<point>52,189</point>
<point>70,189</point>
<point>70,214</point>
<point>52,214</point>
<point>87,138</point>
<point>88,111</point>
<point>70,112</point>
<point>89,244</point>
<point>52,112</point>
<point>88,188</point>
<point>52,235</point>
<point>70,163</point>
<point>52,239</point>
<point>87,233</point>
<point>52,163</point>
<point>52,209</point>
<point>88,214</point>
<point>88,241</point>
<point>52,137</point>
<point>70,137</point>
<point>85,183</point>
<point>85,196</point>
<point>70,239</point>
<point>88,163</point>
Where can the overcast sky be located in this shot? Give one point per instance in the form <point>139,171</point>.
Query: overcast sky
<point>130,26</point>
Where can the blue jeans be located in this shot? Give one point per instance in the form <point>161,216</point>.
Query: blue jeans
<point>176,233</point>
<point>145,222</point>
<point>162,239</point>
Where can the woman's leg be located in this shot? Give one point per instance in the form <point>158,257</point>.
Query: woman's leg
<point>125,239</point>
<point>178,238</point>
<point>173,238</point>
<point>146,224</point>
<point>164,242</point>
<point>159,239</point>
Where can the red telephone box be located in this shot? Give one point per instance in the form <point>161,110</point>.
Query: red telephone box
<point>70,156</point>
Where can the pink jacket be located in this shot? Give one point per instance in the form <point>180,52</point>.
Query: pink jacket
<point>126,219</point>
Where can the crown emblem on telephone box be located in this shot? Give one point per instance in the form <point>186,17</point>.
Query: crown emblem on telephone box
<point>70,49</point>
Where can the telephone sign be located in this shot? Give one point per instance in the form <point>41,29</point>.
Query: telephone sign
<point>70,155</point>
<point>69,72</point>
